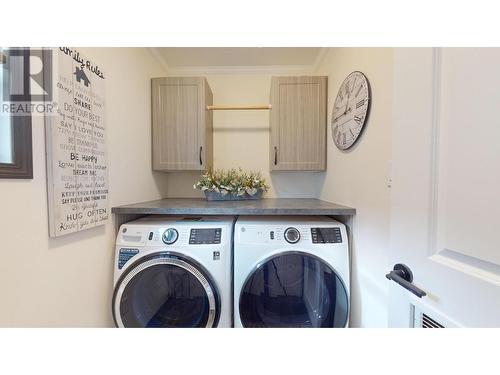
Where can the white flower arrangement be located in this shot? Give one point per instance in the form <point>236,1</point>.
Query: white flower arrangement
<point>234,181</point>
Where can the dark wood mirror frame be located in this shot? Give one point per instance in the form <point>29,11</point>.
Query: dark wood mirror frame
<point>22,164</point>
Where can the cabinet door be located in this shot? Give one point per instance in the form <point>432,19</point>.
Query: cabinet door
<point>298,123</point>
<point>180,123</point>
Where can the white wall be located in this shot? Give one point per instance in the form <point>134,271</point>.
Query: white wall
<point>68,281</point>
<point>241,139</point>
<point>358,178</point>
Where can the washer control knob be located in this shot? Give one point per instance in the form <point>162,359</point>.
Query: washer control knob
<point>170,236</point>
<point>292,235</point>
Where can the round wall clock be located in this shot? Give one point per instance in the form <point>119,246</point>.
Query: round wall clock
<point>350,110</point>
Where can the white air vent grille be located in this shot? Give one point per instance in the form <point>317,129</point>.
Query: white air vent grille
<point>423,320</point>
<point>428,322</point>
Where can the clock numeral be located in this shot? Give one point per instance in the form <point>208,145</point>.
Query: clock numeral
<point>343,139</point>
<point>338,138</point>
<point>359,89</point>
<point>360,103</point>
<point>351,132</point>
<point>358,119</point>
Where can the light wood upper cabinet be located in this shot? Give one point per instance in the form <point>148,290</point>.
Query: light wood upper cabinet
<point>182,126</point>
<point>298,123</point>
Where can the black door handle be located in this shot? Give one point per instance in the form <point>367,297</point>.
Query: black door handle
<point>275,155</point>
<point>403,276</point>
<point>201,150</point>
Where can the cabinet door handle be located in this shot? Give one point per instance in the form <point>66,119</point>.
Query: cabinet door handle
<point>201,150</point>
<point>275,155</point>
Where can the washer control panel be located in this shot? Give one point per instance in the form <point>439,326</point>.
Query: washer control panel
<point>326,235</point>
<point>202,236</point>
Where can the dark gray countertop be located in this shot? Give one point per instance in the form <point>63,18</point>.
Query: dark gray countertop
<point>266,206</point>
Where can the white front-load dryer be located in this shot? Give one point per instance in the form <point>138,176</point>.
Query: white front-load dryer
<point>174,272</point>
<point>290,272</point>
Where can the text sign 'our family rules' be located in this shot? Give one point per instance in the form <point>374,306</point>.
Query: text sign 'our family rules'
<point>77,170</point>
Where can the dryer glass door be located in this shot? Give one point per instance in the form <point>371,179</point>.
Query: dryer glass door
<point>165,291</point>
<point>294,289</point>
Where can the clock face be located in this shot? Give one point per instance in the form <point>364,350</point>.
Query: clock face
<point>350,110</point>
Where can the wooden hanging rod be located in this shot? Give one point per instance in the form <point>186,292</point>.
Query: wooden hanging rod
<point>238,107</point>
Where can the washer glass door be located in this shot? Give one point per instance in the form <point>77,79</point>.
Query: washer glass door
<point>165,291</point>
<point>294,289</point>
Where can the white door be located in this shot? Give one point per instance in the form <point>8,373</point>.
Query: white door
<point>445,208</point>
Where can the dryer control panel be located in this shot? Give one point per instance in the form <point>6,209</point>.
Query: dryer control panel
<point>296,235</point>
<point>202,236</point>
<point>326,235</point>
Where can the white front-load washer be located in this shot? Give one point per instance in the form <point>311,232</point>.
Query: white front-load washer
<point>173,271</point>
<point>290,272</point>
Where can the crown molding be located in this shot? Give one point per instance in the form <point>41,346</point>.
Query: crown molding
<point>241,70</point>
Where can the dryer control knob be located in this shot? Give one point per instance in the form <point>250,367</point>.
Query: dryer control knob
<point>292,235</point>
<point>170,236</point>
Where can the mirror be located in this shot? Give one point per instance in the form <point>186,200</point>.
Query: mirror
<point>6,139</point>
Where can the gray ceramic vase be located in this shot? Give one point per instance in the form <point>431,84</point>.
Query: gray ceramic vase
<point>214,196</point>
